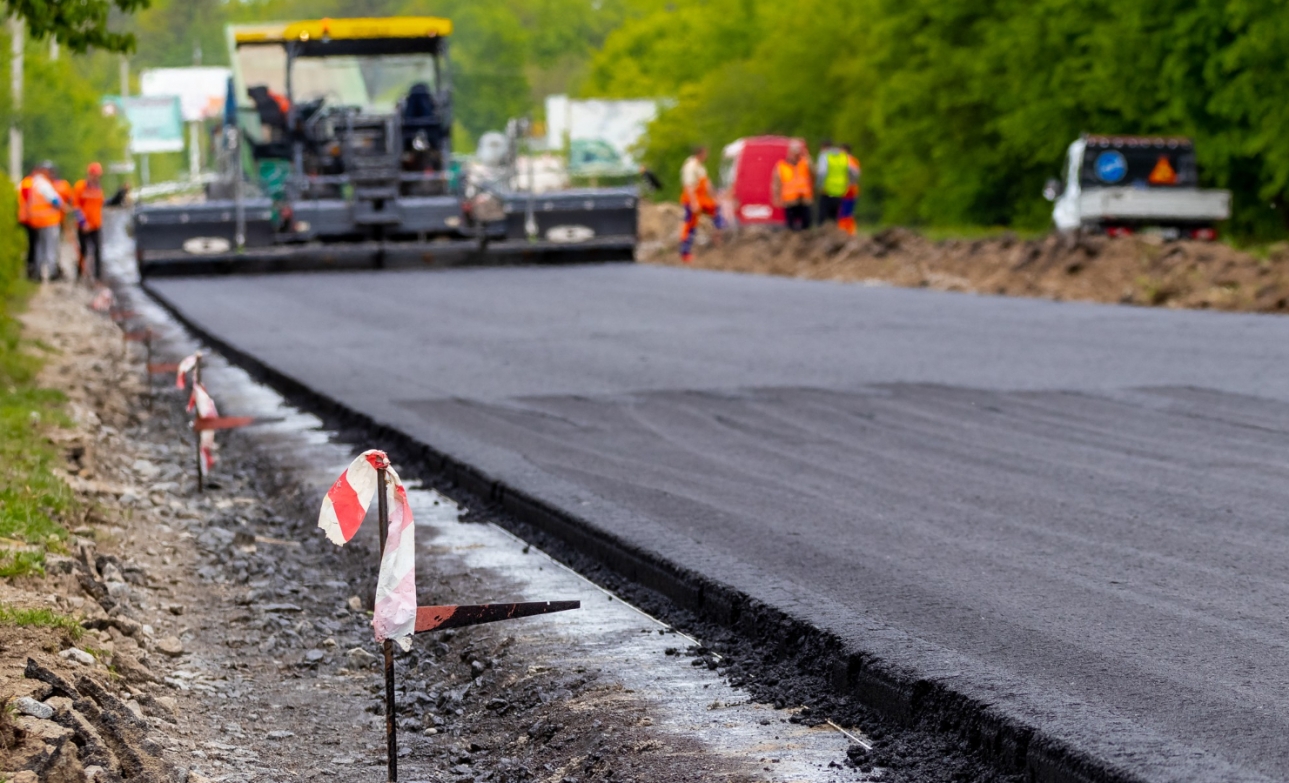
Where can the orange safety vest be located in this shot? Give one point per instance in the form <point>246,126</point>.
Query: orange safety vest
<point>796,183</point>
<point>89,200</point>
<point>41,212</point>
<point>702,195</point>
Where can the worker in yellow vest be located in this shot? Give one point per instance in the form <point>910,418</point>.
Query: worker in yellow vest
<point>836,176</point>
<point>792,187</point>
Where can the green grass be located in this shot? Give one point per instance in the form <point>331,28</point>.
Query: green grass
<point>972,233</point>
<point>40,618</point>
<point>32,498</point>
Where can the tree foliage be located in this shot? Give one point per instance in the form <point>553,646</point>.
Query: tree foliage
<point>61,116</point>
<point>79,25</point>
<point>960,109</point>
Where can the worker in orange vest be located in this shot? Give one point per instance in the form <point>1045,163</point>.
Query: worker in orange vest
<point>45,208</point>
<point>792,187</point>
<point>24,220</point>
<point>696,198</point>
<point>87,197</point>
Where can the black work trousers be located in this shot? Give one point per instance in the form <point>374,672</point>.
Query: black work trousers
<point>829,209</point>
<point>797,216</point>
<point>91,240</point>
<point>32,274</point>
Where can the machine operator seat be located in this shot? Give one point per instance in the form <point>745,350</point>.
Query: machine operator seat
<point>274,120</point>
<point>420,117</point>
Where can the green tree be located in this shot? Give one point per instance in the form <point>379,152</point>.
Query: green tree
<point>79,25</point>
<point>172,32</point>
<point>961,108</point>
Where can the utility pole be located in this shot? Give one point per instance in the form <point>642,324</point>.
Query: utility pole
<point>194,150</point>
<point>125,77</point>
<point>16,31</point>
<point>53,49</point>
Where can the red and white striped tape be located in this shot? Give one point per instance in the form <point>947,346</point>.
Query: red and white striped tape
<point>103,300</point>
<point>186,366</point>
<point>343,511</point>
<point>205,406</point>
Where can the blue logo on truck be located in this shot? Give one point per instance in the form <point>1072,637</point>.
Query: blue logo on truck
<point>1111,166</point>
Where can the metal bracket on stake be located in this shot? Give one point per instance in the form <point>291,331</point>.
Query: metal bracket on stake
<point>216,423</point>
<point>201,467</point>
<point>157,368</point>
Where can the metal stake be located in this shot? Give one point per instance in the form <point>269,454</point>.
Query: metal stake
<point>391,727</point>
<point>147,368</point>
<point>201,473</point>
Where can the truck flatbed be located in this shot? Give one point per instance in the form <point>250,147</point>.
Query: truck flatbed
<point>1137,204</point>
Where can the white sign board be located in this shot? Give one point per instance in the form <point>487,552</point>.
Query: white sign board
<point>621,123</point>
<point>155,123</point>
<point>201,91</point>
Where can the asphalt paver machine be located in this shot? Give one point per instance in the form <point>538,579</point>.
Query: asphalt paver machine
<point>336,152</point>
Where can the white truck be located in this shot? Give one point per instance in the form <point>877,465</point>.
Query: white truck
<point>1118,185</point>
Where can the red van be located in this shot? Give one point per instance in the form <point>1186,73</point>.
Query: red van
<point>746,168</point>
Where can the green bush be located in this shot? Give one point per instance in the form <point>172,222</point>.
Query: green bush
<point>32,498</point>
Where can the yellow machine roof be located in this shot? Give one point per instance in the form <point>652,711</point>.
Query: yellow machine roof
<point>392,28</point>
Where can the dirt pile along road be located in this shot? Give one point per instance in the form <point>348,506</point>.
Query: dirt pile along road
<point>1126,270</point>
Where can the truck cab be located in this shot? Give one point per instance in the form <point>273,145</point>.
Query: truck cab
<point>1119,185</point>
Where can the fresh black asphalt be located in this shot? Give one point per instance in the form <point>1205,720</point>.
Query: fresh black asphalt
<point>1076,513</point>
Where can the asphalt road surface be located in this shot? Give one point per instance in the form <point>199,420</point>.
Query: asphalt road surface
<point>1078,513</point>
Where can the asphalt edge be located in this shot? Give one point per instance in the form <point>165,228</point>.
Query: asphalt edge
<point>896,694</point>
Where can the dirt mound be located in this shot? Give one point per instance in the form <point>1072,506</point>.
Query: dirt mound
<point>1130,270</point>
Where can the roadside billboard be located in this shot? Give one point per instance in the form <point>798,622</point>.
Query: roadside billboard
<point>617,124</point>
<point>201,90</point>
<point>156,124</point>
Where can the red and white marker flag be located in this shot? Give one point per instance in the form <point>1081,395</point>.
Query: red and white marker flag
<point>205,406</point>
<point>103,300</point>
<point>185,367</point>
<point>343,510</point>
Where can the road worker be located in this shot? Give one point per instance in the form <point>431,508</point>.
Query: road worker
<point>835,177</point>
<point>846,214</point>
<point>792,187</point>
<point>87,198</point>
<point>45,210</point>
<point>696,198</point>
<point>24,220</point>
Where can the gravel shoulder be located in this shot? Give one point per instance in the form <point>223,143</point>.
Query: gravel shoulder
<point>225,640</point>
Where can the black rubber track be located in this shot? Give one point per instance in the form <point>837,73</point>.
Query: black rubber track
<point>1066,521</point>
